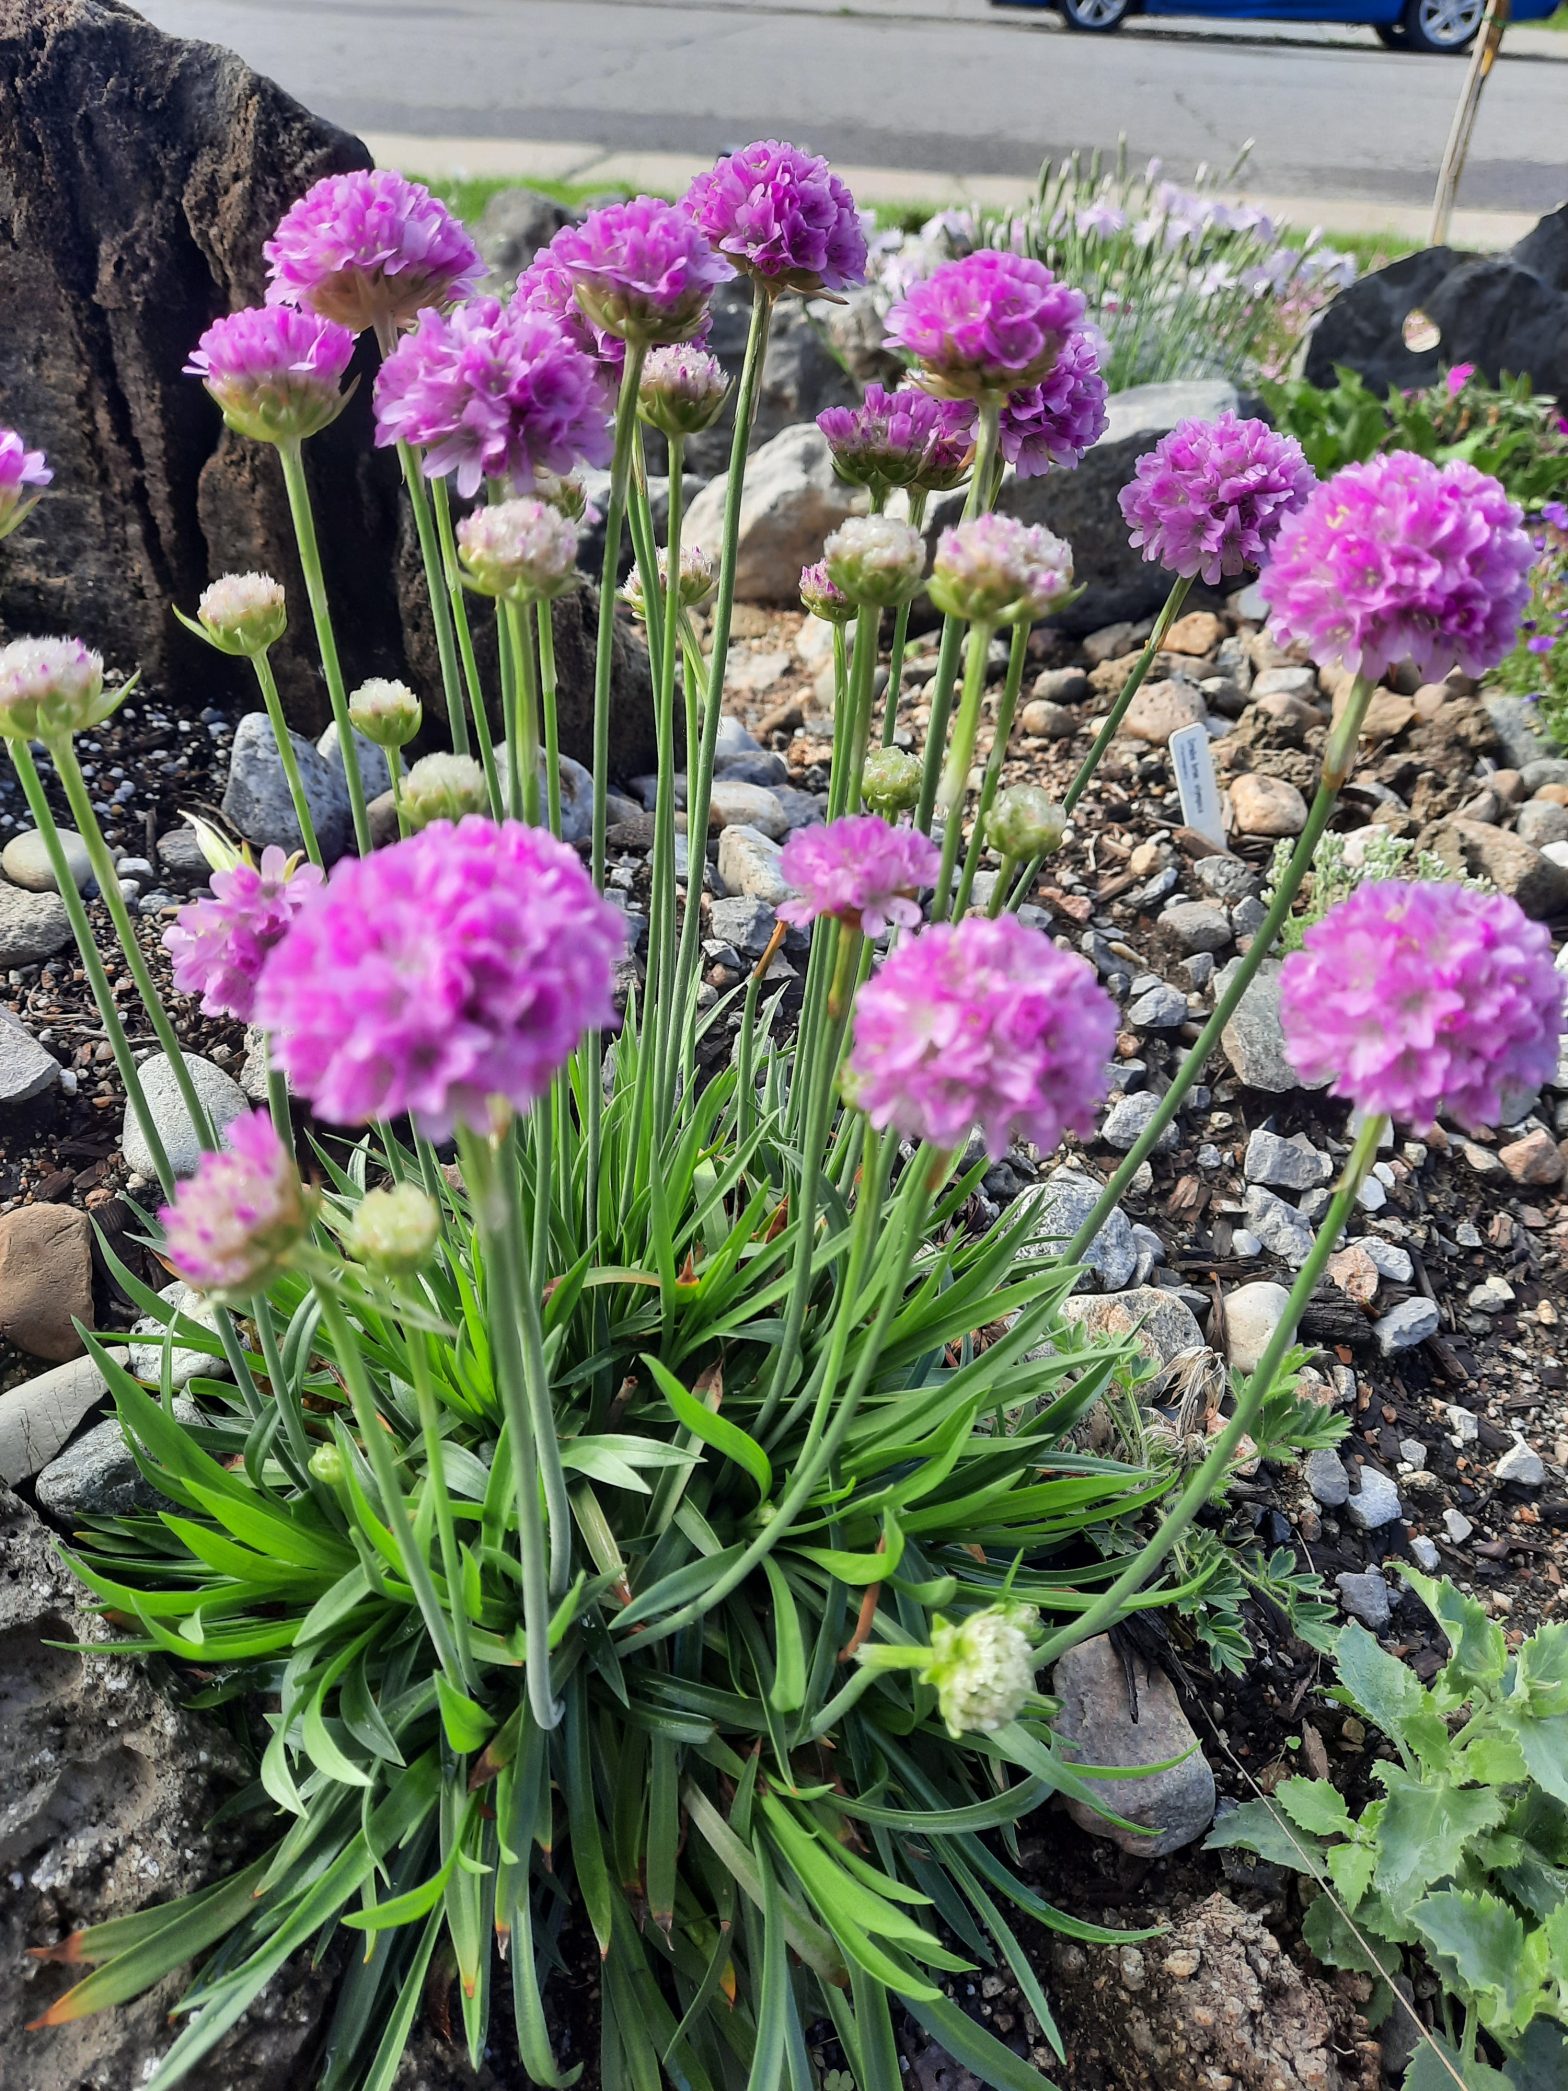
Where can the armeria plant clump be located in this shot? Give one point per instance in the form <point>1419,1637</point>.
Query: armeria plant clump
<point>618,1534</point>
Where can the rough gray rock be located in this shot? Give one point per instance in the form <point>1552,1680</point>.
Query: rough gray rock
<point>1109,1726</point>
<point>33,927</point>
<point>1513,865</point>
<point>749,864</point>
<point>513,226</point>
<point>1365,1597</point>
<point>257,797</point>
<point>1162,1325</point>
<point>27,1069</point>
<point>96,1476</point>
<point>220,1093</point>
<point>1081,505</point>
<point>146,1357</point>
<point>40,1416</point>
<point>1293,1164</point>
<point>1254,1039</point>
<point>1252,1313</point>
<point>1278,1225</point>
<point>1406,1325</point>
<point>1060,1206</point>
<point>743,921</point>
<point>1162,1008</point>
<point>1521,1465</point>
<point>1130,1117</point>
<point>792,499</point>
<point>1324,1473</point>
<point>1374,1503</point>
<point>375,769</point>
<point>1196,925</point>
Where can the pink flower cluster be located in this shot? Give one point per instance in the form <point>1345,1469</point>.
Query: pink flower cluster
<point>860,871</point>
<point>218,944</point>
<point>232,1226</point>
<point>985,325</point>
<point>782,214</point>
<point>1211,497</point>
<point>903,438</point>
<point>275,371</point>
<point>1400,559</point>
<point>493,392</point>
<point>641,270</point>
<point>822,596</point>
<point>548,286</point>
<point>23,477</point>
<point>1415,999</point>
<point>49,688</point>
<point>996,569</point>
<point>370,249</point>
<point>1058,420</point>
<point>982,1023</point>
<point>456,968</point>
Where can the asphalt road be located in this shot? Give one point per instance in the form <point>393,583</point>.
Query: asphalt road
<point>906,84</point>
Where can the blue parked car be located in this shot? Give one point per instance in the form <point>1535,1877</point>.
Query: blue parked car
<point>1404,25</point>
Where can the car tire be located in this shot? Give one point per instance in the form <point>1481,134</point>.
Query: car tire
<point>1391,35</point>
<point>1445,28</point>
<point>1095,17</point>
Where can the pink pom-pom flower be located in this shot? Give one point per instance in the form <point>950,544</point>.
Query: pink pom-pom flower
<point>985,325</point>
<point>276,372</point>
<point>219,943</point>
<point>903,438</point>
<point>860,871</point>
<point>1057,421</point>
<point>982,1023</point>
<point>641,270</point>
<point>493,392</point>
<point>23,477</point>
<point>440,976</point>
<point>370,249</point>
<point>1411,999</point>
<point>783,215</point>
<point>1400,559</point>
<point>1212,497</point>
<point>233,1225</point>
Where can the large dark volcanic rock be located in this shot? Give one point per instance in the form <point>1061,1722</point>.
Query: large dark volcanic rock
<point>139,175</point>
<point>1505,313</point>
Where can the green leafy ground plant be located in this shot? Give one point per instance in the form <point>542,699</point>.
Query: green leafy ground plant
<point>1462,1860</point>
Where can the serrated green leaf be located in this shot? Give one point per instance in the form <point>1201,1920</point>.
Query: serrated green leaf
<point>1541,1676</point>
<point>1435,2067</point>
<point>1255,1826</point>
<point>1350,1868</point>
<point>1313,1805</point>
<point>1479,1650</point>
<point>1544,1746</point>
<point>1377,1684</point>
<point>1426,1830</point>
<point>1486,1953</point>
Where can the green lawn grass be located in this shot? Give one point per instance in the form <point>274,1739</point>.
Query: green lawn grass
<point>1556,21</point>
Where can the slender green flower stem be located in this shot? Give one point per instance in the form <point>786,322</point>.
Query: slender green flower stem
<point>278,1099</point>
<point>645,550</point>
<point>286,755</point>
<point>438,589</point>
<point>552,724</point>
<point>960,757</point>
<point>991,782</point>
<point>661,999</point>
<point>504,1285</point>
<point>429,1407</point>
<point>1116,1599</point>
<point>81,805</point>
<point>895,659</point>
<point>1006,873</point>
<point>604,655</point>
<point>952,627</point>
<point>522,735</point>
<point>316,589</point>
<point>868,632</point>
<point>395,768</point>
<point>285,1396</point>
<point>1337,759</point>
<point>1129,690</point>
<point>457,597</point>
<point>819,959</point>
<point>92,963</point>
<point>377,1447</point>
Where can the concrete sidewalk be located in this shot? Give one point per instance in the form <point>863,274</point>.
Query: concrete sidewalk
<point>528,160</point>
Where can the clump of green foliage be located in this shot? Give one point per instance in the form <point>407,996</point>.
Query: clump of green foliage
<point>1462,1860</point>
<point>1505,430</point>
<point>1335,874</point>
<point>1538,666</point>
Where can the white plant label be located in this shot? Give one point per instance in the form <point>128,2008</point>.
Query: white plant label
<point>1196,783</point>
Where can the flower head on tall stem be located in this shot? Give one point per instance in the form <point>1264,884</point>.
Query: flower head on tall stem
<point>1415,999</point>
<point>982,1023</point>
<point>524,549</point>
<point>233,1225</point>
<point>890,781</point>
<point>450,976</point>
<point>242,614</point>
<point>903,438</point>
<point>641,270</point>
<point>985,325</point>
<point>694,587</point>
<point>277,373</point>
<point>1025,821</point>
<point>822,596</point>
<point>443,787</point>
<point>873,559</point>
<point>1056,422</point>
<point>1400,559</point>
<point>370,249</point>
<point>683,389</point>
<point>983,1668</point>
<point>1212,497</point>
<point>23,477</point>
<point>219,943</point>
<point>394,1230</point>
<point>547,286</point>
<point>493,392</point>
<point>858,870</point>
<point>782,215</point>
<point>995,569</point>
<point>51,688</point>
<point>385,711</point>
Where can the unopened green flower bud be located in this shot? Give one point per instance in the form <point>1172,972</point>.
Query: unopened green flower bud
<point>696,581</point>
<point>875,560</point>
<point>983,1668</point>
<point>993,569</point>
<point>328,1465</point>
<point>394,1230</point>
<point>565,493</point>
<point>444,787</point>
<point>1026,821</point>
<point>890,782</point>
<point>243,613</point>
<point>385,712</point>
<point>683,389</point>
<point>524,550</point>
<point>52,688</point>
